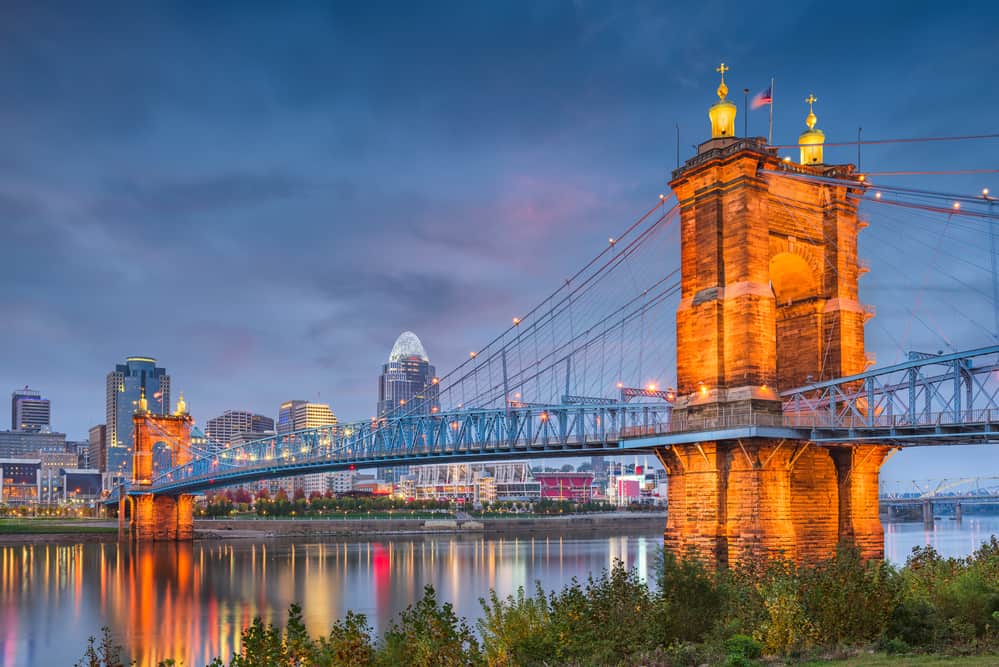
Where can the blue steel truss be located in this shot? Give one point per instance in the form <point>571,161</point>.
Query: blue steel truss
<point>463,435</point>
<point>930,399</point>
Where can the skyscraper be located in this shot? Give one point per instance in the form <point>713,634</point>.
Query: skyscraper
<point>124,387</point>
<point>224,428</point>
<point>296,415</point>
<point>97,457</point>
<point>29,411</point>
<point>407,384</point>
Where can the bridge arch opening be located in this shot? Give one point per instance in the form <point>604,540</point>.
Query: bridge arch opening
<point>791,277</point>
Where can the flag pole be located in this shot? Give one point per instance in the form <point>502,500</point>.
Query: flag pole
<point>745,112</point>
<point>770,134</point>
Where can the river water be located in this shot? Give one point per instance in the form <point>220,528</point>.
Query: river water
<point>190,601</point>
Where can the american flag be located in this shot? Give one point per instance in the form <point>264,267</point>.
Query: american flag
<point>763,97</point>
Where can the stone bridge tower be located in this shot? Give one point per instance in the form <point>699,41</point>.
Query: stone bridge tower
<point>157,517</point>
<point>769,301</point>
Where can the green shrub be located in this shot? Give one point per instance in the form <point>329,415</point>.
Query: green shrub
<point>518,630</point>
<point>692,595</point>
<point>429,635</point>
<point>744,646</point>
<point>848,600</point>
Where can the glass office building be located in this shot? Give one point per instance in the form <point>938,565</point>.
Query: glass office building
<point>124,387</point>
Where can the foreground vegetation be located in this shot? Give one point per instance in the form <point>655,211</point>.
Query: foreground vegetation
<point>765,612</point>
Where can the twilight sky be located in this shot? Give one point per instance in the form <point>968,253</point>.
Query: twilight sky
<point>264,195</point>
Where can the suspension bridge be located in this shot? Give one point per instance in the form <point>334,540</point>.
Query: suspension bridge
<point>765,398</point>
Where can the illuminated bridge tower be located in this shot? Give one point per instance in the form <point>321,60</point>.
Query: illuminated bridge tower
<point>769,302</point>
<point>167,438</point>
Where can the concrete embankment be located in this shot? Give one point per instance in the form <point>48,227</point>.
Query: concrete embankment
<point>618,522</point>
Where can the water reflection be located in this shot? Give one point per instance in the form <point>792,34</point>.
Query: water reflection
<point>949,537</point>
<point>191,601</point>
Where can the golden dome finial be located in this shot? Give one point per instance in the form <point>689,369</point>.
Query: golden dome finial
<point>181,405</point>
<point>811,140</point>
<point>143,403</point>
<point>811,118</point>
<point>722,114</point>
<point>722,88</point>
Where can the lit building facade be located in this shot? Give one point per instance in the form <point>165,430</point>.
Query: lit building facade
<point>295,416</point>
<point>29,411</point>
<point>123,389</point>
<point>298,415</point>
<point>20,481</point>
<point>15,444</point>
<point>224,428</point>
<point>475,483</point>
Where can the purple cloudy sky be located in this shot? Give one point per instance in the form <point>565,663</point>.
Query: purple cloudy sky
<point>263,195</point>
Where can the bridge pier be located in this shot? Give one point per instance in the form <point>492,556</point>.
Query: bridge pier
<point>958,512</point>
<point>732,501</point>
<point>928,513</point>
<point>159,518</point>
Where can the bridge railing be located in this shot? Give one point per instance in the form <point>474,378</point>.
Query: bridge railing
<point>927,390</point>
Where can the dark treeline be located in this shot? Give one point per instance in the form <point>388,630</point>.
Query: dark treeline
<point>690,616</point>
<point>328,505</point>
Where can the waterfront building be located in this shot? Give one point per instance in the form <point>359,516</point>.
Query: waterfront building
<point>29,411</point>
<point>81,486</point>
<point>124,386</point>
<point>231,423</point>
<point>50,476</point>
<point>465,482</point>
<point>572,486</point>
<point>97,453</point>
<point>15,444</point>
<point>20,481</point>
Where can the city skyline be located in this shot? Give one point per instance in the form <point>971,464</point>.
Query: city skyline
<point>301,159</point>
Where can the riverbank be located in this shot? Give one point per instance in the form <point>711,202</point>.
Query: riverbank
<point>49,531</point>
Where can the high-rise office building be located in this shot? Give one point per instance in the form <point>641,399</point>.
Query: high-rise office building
<point>124,388</point>
<point>224,428</point>
<point>97,455</point>
<point>296,415</point>
<point>407,384</point>
<point>29,411</point>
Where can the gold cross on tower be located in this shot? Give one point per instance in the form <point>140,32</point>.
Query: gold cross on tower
<point>811,99</point>
<point>722,68</point>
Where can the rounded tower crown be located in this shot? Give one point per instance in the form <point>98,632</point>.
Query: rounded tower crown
<point>181,405</point>
<point>407,345</point>
<point>811,140</point>
<point>722,113</point>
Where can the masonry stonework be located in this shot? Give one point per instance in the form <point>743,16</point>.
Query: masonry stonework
<point>769,301</point>
<point>158,517</point>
